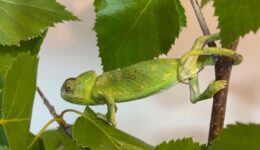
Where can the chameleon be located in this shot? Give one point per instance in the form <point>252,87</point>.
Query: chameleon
<point>147,78</point>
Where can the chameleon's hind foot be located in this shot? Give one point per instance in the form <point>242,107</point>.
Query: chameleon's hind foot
<point>216,86</point>
<point>102,117</point>
<point>211,90</point>
<point>105,118</point>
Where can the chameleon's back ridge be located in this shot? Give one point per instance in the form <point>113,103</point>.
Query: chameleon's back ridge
<point>137,81</point>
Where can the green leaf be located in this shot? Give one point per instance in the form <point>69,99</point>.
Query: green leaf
<point>236,18</point>
<point>21,20</point>
<point>38,145</point>
<point>3,147</point>
<point>3,140</point>
<point>181,11</point>
<point>18,95</point>
<point>238,137</point>
<point>132,31</point>
<point>183,144</point>
<point>204,2</point>
<point>7,55</point>
<point>57,139</point>
<point>89,131</point>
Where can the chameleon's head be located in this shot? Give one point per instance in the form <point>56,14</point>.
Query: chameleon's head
<point>79,90</point>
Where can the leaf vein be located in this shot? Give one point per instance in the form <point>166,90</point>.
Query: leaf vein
<point>102,130</point>
<point>16,92</point>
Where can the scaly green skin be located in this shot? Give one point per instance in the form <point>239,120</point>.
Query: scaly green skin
<point>136,81</point>
<point>147,78</point>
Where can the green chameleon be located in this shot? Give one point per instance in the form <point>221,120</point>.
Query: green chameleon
<point>147,78</point>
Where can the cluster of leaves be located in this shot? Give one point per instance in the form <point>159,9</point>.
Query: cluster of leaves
<point>127,32</point>
<point>89,131</point>
<point>22,31</point>
<point>133,31</point>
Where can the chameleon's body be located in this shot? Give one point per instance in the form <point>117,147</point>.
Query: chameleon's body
<point>137,81</point>
<point>146,78</point>
<point>130,83</point>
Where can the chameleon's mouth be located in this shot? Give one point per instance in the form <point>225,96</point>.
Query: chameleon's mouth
<point>182,77</point>
<point>72,99</point>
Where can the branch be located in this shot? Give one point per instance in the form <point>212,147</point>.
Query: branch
<point>201,20</point>
<point>222,72</point>
<point>54,114</point>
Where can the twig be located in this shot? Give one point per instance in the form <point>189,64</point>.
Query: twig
<point>54,114</point>
<point>222,72</point>
<point>201,20</point>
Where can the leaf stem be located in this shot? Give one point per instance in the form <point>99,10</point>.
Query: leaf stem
<point>58,118</point>
<point>42,130</point>
<point>71,110</point>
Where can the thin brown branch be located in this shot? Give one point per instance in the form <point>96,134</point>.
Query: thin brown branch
<point>222,72</point>
<point>53,112</point>
<point>201,20</point>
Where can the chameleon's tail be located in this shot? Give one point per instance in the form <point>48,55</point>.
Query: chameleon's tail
<point>236,57</point>
<point>191,62</point>
<point>203,40</point>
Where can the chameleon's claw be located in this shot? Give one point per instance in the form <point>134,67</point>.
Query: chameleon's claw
<point>216,86</point>
<point>212,89</point>
<point>184,82</point>
<point>102,117</point>
<point>105,118</point>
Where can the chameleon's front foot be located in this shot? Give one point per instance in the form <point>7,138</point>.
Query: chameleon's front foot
<point>106,119</point>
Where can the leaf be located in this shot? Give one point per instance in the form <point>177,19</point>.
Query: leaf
<point>23,20</point>
<point>3,140</point>
<point>7,55</point>
<point>132,31</point>
<point>3,147</point>
<point>236,18</point>
<point>57,139</point>
<point>89,131</point>
<point>18,96</point>
<point>38,145</point>
<point>238,137</point>
<point>204,2</point>
<point>33,46</point>
<point>183,144</point>
<point>181,11</point>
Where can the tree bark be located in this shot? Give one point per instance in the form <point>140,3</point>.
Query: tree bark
<point>222,72</point>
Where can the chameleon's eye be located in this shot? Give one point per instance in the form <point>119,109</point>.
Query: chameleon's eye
<point>70,85</point>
